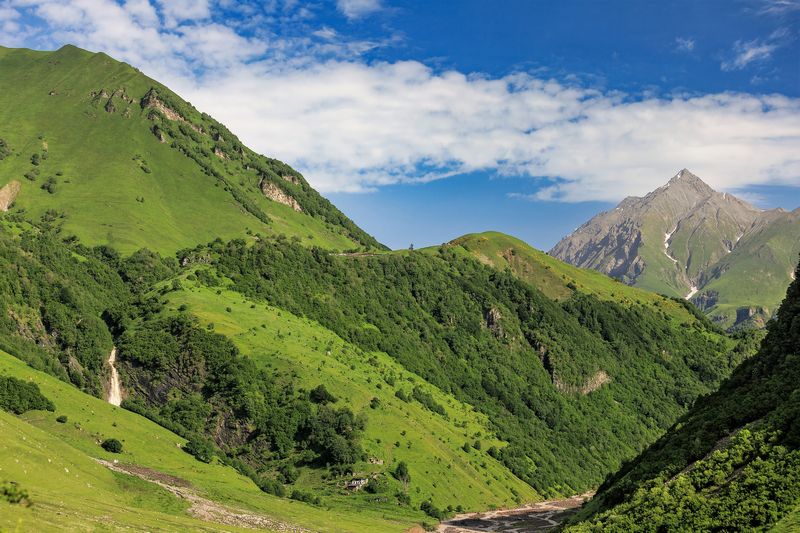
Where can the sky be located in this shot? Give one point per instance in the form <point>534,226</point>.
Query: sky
<point>426,120</point>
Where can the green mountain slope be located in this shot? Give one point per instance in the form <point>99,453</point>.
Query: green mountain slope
<point>749,282</point>
<point>128,163</point>
<point>416,344</point>
<point>286,364</point>
<point>732,463</point>
<point>56,464</point>
<point>544,372</point>
<point>556,279</point>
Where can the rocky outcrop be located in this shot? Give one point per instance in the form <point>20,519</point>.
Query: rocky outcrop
<point>152,101</point>
<point>593,383</point>
<point>8,193</point>
<point>493,317</point>
<point>276,194</point>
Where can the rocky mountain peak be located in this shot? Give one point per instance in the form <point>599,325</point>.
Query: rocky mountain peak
<point>687,185</point>
<point>676,239</point>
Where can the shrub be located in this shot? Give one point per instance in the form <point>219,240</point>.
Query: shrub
<point>402,474</point>
<point>112,445</point>
<point>431,510</point>
<point>50,185</point>
<point>377,485</point>
<point>18,396</point>
<point>11,492</point>
<point>289,473</point>
<point>271,486</point>
<point>321,395</point>
<point>403,498</point>
<point>202,450</point>
<point>307,497</point>
<point>62,419</point>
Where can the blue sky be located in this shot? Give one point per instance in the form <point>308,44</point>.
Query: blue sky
<point>427,120</point>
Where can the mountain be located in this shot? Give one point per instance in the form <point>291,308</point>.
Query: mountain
<point>685,239</point>
<point>121,160</point>
<point>732,463</point>
<point>272,357</point>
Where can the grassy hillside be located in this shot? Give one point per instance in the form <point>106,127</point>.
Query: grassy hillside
<point>128,163</point>
<point>431,444</point>
<point>753,277</point>
<point>56,464</point>
<point>556,279</point>
<point>544,372</point>
<point>731,464</point>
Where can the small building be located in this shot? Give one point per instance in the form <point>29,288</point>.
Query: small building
<point>355,484</point>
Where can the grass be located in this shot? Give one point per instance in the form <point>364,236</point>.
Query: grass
<point>429,443</point>
<point>554,278</point>
<point>790,523</point>
<point>105,193</point>
<point>55,463</point>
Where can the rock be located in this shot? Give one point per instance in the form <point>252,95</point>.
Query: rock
<point>276,194</point>
<point>493,317</point>
<point>8,193</point>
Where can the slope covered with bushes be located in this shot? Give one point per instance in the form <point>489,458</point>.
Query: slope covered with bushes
<point>732,463</point>
<point>574,387</point>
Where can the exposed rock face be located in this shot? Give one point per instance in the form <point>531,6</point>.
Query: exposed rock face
<point>276,194</point>
<point>493,318</point>
<point>152,101</point>
<point>684,238</point>
<point>8,193</point>
<point>594,382</point>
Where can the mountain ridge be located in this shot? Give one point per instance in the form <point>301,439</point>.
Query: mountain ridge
<point>179,173</point>
<point>676,240</point>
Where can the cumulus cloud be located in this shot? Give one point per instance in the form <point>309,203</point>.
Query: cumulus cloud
<point>352,125</point>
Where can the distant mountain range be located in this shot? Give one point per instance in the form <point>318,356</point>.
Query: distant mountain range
<point>685,239</point>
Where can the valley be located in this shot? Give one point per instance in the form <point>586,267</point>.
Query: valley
<point>192,338</point>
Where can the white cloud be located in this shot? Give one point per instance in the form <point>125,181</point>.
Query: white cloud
<point>748,52</point>
<point>779,7</point>
<point>177,11</point>
<point>684,44</point>
<point>354,9</point>
<point>353,126</point>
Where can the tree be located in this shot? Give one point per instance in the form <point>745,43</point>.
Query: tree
<point>402,474</point>
<point>112,445</point>
<point>321,395</point>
